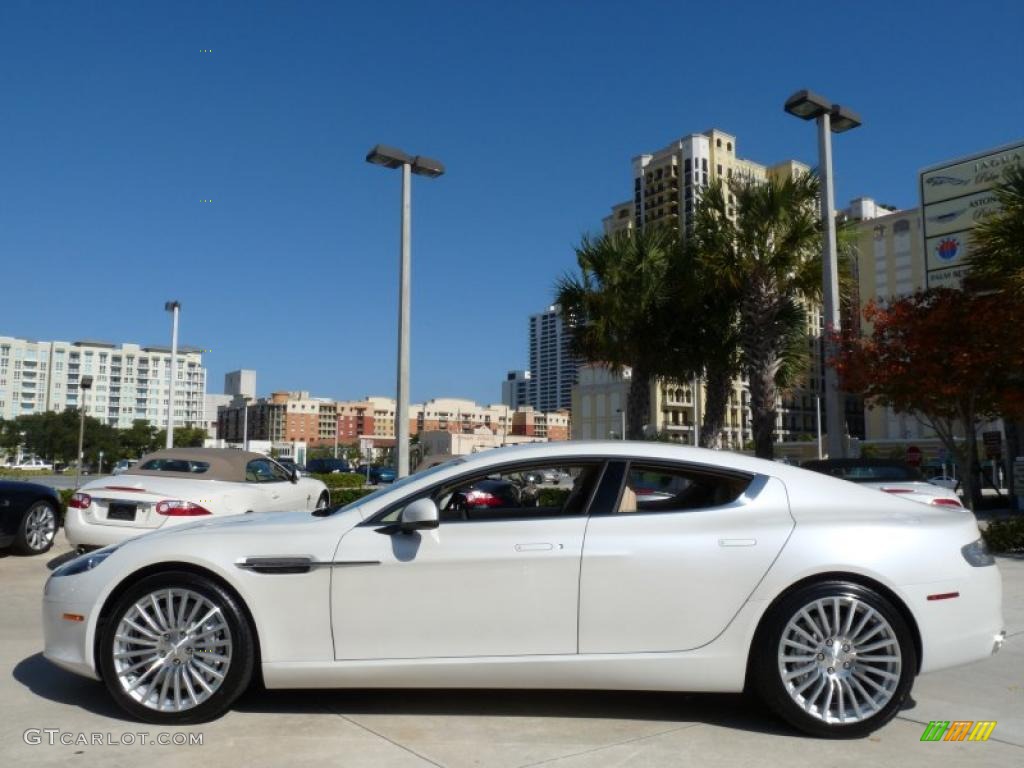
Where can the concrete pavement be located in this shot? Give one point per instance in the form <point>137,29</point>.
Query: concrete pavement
<point>489,728</point>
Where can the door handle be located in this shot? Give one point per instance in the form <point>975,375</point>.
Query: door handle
<point>539,547</point>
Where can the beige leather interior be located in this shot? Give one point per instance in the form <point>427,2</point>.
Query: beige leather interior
<point>628,502</point>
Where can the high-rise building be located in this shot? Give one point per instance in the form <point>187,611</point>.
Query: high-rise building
<point>668,183</point>
<point>515,389</point>
<point>552,363</point>
<point>129,382</point>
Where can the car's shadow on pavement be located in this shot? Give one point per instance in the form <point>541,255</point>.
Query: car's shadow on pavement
<point>51,682</point>
<point>736,711</point>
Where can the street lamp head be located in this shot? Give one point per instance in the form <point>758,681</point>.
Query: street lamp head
<point>843,119</point>
<point>170,306</point>
<point>389,157</point>
<point>427,166</point>
<point>807,105</point>
<point>85,382</point>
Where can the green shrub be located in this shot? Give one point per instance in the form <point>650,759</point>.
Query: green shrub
<point>1005,536</point>
<point>342,496</point>
<point>65,497</point>
<point>342,480</point>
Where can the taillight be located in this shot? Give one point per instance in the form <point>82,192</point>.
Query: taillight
<point>482,499</point>
<point>80,501</point>
<point>944,502</point>
<point>179,508</point>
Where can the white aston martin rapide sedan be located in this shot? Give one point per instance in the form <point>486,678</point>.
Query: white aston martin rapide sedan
<point>644,566</point>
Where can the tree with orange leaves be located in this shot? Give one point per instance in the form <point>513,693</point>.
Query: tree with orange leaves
<point>953,359</point>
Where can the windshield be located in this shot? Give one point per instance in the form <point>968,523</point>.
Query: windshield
<point>395,486</point>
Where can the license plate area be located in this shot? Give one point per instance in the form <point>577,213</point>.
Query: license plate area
<point>119,511</point>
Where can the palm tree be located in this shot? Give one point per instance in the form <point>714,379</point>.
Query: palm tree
<point>996,258</point>
<point>617,306</point>
<point>769,255</point>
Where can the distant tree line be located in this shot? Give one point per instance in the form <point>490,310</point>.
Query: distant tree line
<point>54,437</point>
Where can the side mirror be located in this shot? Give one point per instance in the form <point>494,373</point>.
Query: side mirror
<point>421,514</point>
<point>295,476</point>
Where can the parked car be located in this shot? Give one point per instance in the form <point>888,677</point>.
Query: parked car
<point>179,485</point>
<point>30,515</point>
<point>887,475</point>
<point>824,597</point>
<point>945,481</point>
<point>123,466</point>
<point>327,466</point>
<point>291,466</point>
<point>33,465</point>
<point>382,475</point>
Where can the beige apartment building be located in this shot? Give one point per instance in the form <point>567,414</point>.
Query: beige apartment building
<point>666,187</point>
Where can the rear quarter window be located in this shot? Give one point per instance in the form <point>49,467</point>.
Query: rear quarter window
<point>176,465</point>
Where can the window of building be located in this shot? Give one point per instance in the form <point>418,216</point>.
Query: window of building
<point>728,146</point>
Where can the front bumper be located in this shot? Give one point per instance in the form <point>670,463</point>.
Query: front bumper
<point>68,641</point>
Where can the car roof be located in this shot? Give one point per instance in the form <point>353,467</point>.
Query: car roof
<point>225,463</point>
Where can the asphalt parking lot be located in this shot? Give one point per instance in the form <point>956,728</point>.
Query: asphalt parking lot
<point>485,728</point>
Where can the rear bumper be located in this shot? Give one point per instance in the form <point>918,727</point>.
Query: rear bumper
<point>963,629</point>
<point>82,533</point>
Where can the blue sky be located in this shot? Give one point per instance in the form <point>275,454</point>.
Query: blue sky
<point>115,125</point>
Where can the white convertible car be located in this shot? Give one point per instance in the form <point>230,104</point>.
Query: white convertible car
<point>175,486</point>
<point>658,567</point>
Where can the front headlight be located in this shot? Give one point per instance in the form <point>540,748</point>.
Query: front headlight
<point>976,553</point>
<point>85,562</point>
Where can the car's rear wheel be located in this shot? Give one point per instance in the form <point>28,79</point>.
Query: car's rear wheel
<point>176,649</point>
<point>835,659</point>
<point>38,529</point>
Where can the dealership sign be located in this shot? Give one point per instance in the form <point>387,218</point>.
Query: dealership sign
<point>955,197</point>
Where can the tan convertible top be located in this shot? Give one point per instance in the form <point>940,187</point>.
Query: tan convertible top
<point>225,463</point>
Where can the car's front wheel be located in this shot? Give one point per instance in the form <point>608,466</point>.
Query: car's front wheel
<point>176,649</point>
<point>835,659</point>
<point>38,529</point>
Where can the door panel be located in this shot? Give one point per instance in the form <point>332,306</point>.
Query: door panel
<point>672,581</point>
<point>485,588</point>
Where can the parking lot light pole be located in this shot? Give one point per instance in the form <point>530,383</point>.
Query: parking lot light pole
<point>390,157</point>
<point>174,307</point>
<point>84,385</point>
<point>832,118</point>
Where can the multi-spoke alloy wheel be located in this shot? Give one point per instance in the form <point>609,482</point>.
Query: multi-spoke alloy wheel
<point>835,659</point>
<point>176,649</point>
<point>38,529</point>
<point>839,659</point>
<point>172,650</point>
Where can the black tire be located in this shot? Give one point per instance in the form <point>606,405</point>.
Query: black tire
<point>767,669</point>
<point>36,542</point>
<point>242,658</point>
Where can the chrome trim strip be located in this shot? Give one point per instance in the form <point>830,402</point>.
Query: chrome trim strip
<point>295,563</point>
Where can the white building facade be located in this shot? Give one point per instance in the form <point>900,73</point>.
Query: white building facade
<point>129,382</point>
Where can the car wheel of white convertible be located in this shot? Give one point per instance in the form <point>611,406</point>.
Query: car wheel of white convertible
<point>175,649</point>
<point>834,659</point>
